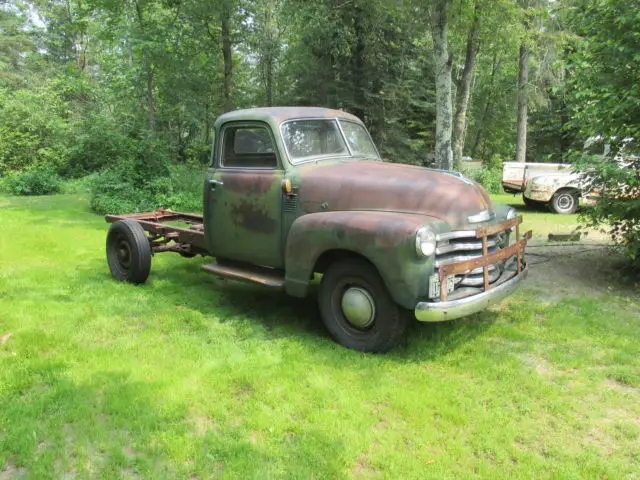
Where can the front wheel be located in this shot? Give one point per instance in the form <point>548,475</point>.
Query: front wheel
<point>128,252</point>
<point>564,202</point>
<point>357,309</point>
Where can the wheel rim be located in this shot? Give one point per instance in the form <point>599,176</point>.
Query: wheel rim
<point>358,307</point>
<point>565,202</point>
<point>123,253</point>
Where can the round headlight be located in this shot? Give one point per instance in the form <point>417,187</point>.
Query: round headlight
<point>425,242</point>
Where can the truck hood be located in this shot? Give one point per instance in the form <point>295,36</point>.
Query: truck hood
<point>392,187</point>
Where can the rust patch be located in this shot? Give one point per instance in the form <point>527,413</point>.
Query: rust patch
<point>372,185</point>
<point>253,218</point>
<point>250,182</point>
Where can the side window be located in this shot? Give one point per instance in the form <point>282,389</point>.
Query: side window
<point>248,147</point>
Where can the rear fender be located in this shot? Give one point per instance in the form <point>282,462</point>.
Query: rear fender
<point>386,239</point>
<point>542,188</point>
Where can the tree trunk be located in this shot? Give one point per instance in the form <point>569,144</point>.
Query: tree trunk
<point>151,102</point>
<point>358,67</point>
<point>523,103</point>
<point>228,62</point>
<point>464,91</point>
<point>444,114</point>
<point>269,54</point>
<point>487,106</point>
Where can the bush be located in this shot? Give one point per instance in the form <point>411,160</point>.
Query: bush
<point>36,180</point>
<point>33,129</point>
<point>121,191</point>
<point>489,175</point>
<point>617,210</point>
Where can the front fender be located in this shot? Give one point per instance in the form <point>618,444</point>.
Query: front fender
<point>386,239</point>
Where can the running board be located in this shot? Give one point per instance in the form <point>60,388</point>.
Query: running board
<point>248,273</point>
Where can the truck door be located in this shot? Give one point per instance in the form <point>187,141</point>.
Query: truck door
<point>243,200</point>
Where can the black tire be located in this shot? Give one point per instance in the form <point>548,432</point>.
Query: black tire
<point>564,202</point>
<point>128,252</point>
<point>388,324</point>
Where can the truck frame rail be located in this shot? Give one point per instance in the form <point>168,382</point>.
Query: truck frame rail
<point>186,240</point>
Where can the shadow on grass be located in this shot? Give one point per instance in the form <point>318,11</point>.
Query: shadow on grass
<point>111,426</point>
<point>283,316</point>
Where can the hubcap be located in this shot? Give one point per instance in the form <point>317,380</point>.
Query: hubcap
<point>565,202</point>
<point>358,307</point>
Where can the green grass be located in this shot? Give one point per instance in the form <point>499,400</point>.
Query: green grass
<point>540,220</point>
<point>193,377</point>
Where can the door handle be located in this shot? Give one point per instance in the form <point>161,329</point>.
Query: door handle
<point>213,184</point>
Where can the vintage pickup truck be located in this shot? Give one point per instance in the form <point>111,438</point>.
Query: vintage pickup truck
<point>545,184</point>
<point>296,192</point>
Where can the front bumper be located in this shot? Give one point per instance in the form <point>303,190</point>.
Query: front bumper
<point>450,310</point>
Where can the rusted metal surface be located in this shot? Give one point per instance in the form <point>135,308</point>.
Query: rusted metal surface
<point>170,238</point>
<point>243,211</point>
<point>248,273</point>
<point>334,207</point>
<point>516,249</point>
<point>498,227</point>
<point>253,217</point>
<point>374,185</point>
<point>386,239</point>
<point>276,115</point>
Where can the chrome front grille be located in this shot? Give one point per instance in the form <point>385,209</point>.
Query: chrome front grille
<point>461,246</point>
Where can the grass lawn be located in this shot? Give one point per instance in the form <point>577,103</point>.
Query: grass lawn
<point>189,376</point>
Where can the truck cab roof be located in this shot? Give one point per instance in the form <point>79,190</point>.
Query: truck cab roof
<point>277,115</point>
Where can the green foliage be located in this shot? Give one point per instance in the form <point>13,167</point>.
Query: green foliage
<point>604,67</point>
<point>34,129</point>
<point>617,210</point>
<point>122,190</point>
<point>34,180</point>
<point>604,100</point>
<point>489,175</point>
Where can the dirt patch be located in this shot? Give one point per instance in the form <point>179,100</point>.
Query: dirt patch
<point>540,364</point>
<point>558,271</point>
<point>362,467</point>
<point>612,384</point>
<point>202,423</point>
<point>10,471</point>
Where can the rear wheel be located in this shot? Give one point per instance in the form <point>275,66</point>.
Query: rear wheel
<point>128,252</point>
<point>564,202</point>
<point>357,309</point>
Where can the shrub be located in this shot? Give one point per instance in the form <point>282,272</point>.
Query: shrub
<point>617,210</point>
<point>35,180</point>
<point>120,190</point>
<point>489,175</point>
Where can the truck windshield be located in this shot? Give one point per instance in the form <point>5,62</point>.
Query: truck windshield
<point>358,138</point>
<point>306,139</point>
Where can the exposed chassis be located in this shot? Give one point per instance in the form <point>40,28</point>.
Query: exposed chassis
<point>187,241</point>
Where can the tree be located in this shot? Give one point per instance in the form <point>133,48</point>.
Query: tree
<point>15,41</point>
<point>226,12</point>
<point>523,91</point>
<point>464,88</point>
<point>442,62</point>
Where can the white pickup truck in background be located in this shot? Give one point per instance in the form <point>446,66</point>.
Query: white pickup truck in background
<point>551,184</point>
